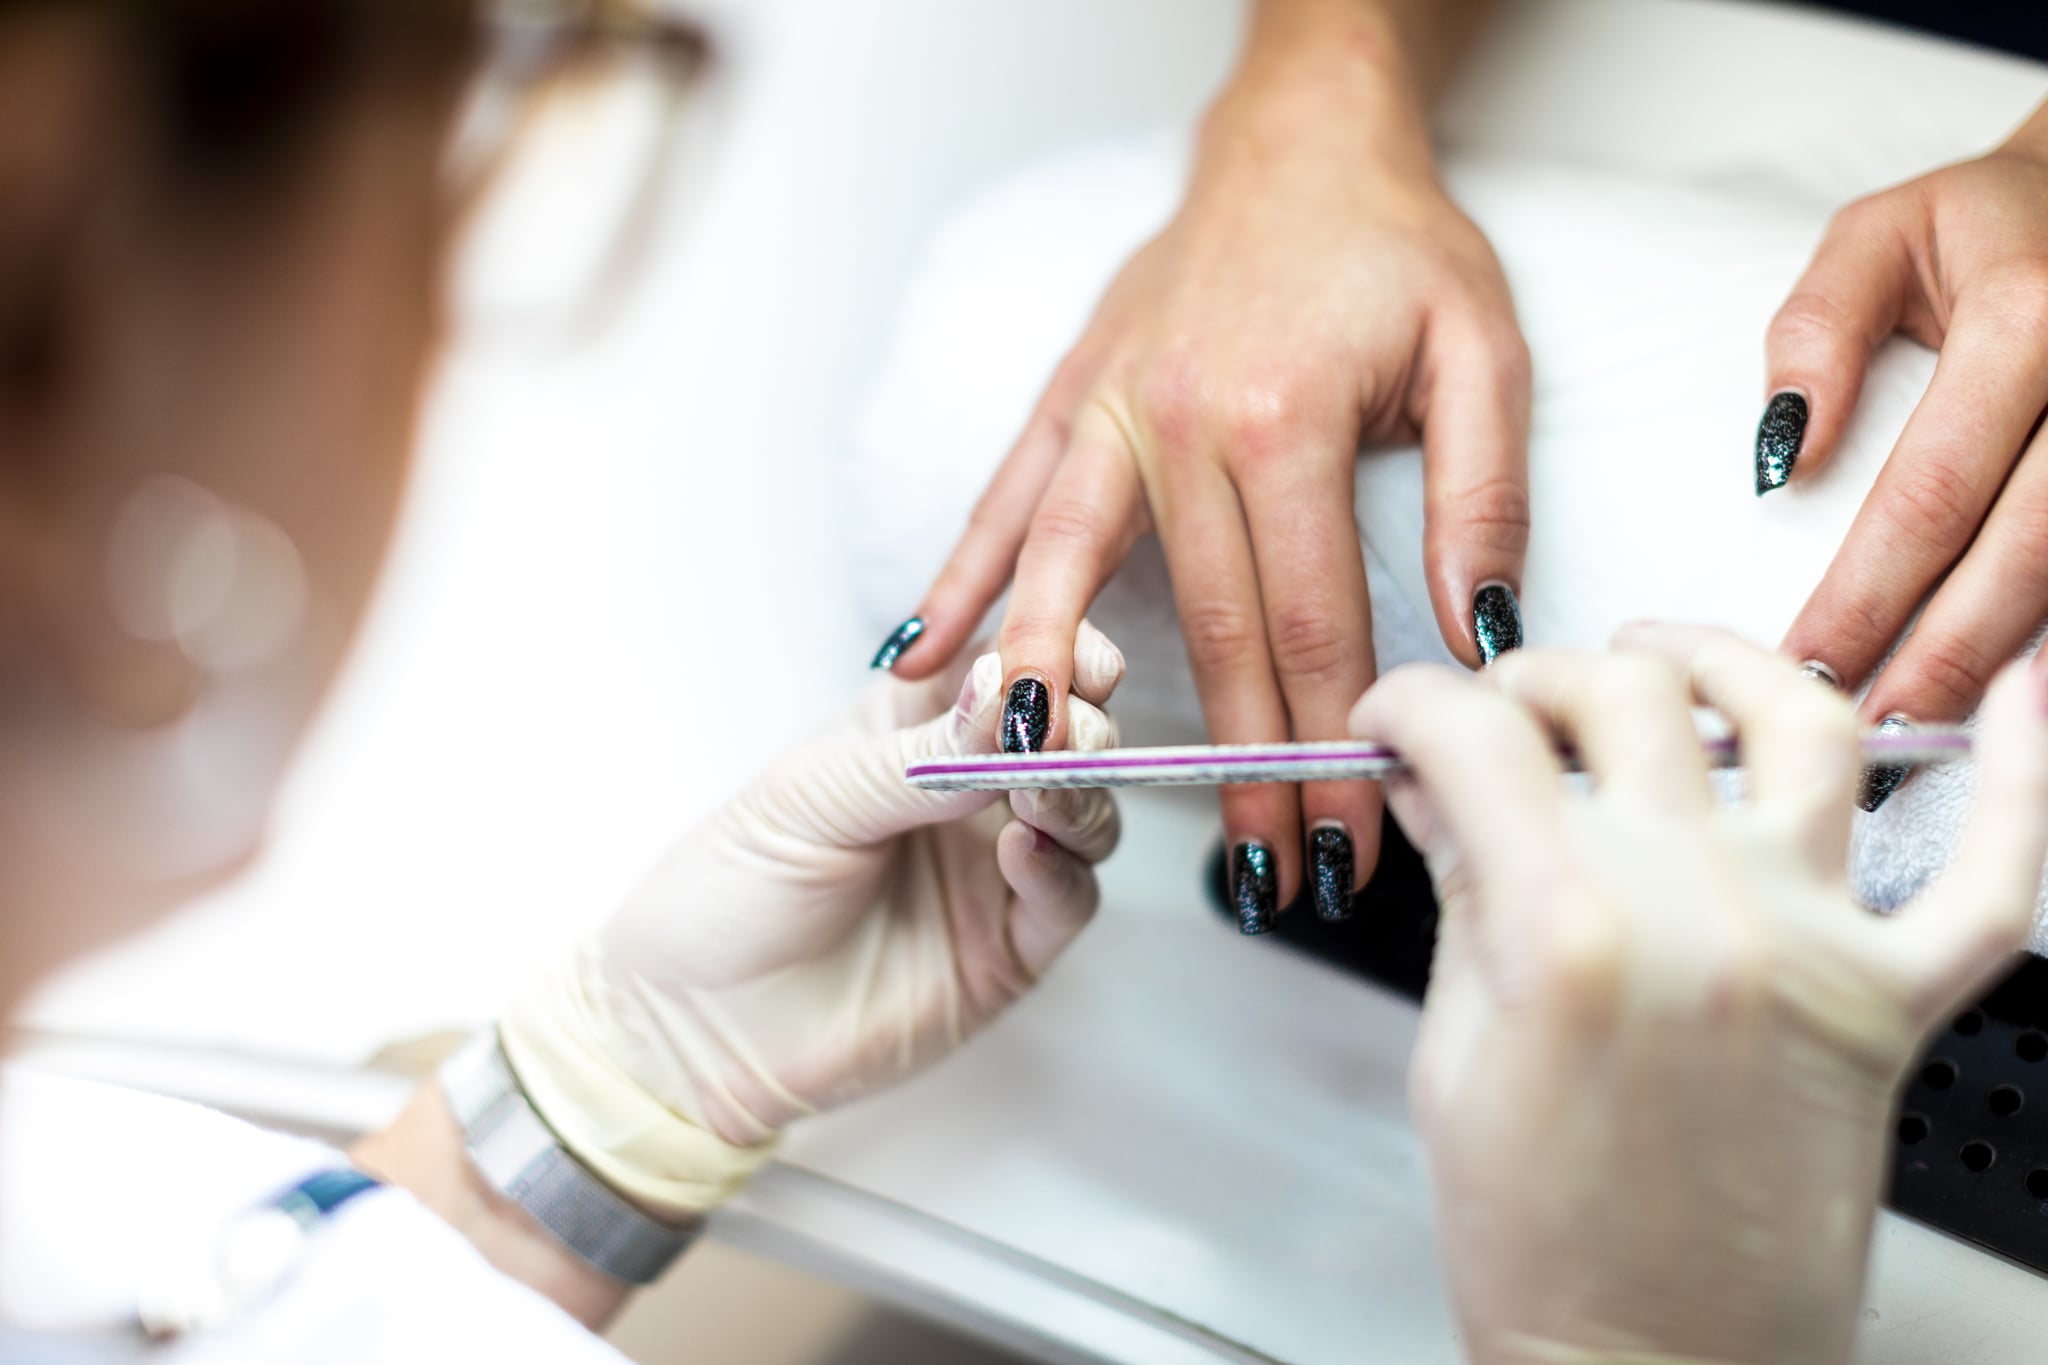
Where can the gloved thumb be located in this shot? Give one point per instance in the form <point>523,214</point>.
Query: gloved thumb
<point>851,792</point>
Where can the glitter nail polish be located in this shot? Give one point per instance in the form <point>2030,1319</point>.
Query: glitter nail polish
<point>1027,715</point>
<point>900,639</point>
<point>1880,782</point>
<point>1821,673</point>
<point>1331,864</point>
<point>1778,438</point>
<point>1253,887</point>
<point>1496,621</point>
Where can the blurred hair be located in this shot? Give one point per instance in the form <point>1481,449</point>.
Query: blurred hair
<point>232,91</point>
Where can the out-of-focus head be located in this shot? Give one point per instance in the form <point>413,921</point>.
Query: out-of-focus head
<point>221,232</point>
<point>223,226</point>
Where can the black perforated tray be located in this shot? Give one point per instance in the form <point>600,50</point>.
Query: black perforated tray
<point>1971,1139</point>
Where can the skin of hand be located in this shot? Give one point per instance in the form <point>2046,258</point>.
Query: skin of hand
<point>1662,1040</point>
<point>1316,291</point>
<point>830,932</point>
<point>1957,260</point>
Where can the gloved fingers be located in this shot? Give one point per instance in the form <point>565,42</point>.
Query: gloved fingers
<point>1085,823</point>
<point>1098,667</point>
<point>1977,916</point>
<point>1799,736</point>
<point>1083,820</point>
<point>1055,895</point>
<point>1090,728</point>
<point>1488,772</point>
<point>851,792</point>
<point>1628,715</point>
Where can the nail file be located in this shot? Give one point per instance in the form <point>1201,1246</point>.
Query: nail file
<point>1209,765</point>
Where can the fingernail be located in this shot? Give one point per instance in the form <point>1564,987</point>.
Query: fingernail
<point>1331,864</point>
<point>1880,782</point>
<point>1821,673</point>
<point>1252,887</point>
<point>1027,713</point>
<point>1778,438</point>
<point>1496,621</point>
<point>900,639</point>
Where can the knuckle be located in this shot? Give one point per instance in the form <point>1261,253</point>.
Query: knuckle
<point>1860,217</point>
<point>1948,674</point>
<point>1493,513</point>
<point>1171,400</point>
<point>1217,633</point>
<point>1256,415</point>
<point>1264,421</point>
<point>1809,321</point>
<point>1930,505</point>
<point>1308,644</point>
<point>1068,524</point>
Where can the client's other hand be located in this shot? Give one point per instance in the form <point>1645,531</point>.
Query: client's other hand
<point>1957,260</point>
<point>1662,1040</point>
<point>830,932</point>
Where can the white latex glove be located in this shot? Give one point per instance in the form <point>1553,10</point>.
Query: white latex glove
<point>1662,1041</point>
<point>830,932</point>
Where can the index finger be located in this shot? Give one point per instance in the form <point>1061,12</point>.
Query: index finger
<point>1080,532</point>
<point>1475,477</point>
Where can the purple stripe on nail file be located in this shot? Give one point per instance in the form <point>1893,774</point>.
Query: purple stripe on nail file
<point>1217,764</point>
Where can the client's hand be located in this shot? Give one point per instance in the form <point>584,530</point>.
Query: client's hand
<point>1957,260</point>
<point>1662,1039</point>
<point>830,932</point>
<point>1316,290</point>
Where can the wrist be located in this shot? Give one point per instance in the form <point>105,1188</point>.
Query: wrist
<point>423,1151</point>
<point>1350,102</point>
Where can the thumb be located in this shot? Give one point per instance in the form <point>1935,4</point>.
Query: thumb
<point>849,790</point>
<point>1819,344</point>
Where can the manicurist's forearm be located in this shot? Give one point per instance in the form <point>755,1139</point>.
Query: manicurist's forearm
<point>422,1152</point>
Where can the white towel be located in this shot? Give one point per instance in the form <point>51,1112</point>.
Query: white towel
<point>1644,301</point>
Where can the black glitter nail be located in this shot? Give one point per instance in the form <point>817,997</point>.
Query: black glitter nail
<point>1252,887</point>
<point>1330,860</point>
<point>1778,438</point>
<point>900,639</point>
<point>1027,713</point>
<point>1496,621</point>
<point>1880,782</point>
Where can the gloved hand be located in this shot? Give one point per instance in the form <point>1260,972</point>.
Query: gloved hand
<point>1662,1040</point>
<point>830,932</point>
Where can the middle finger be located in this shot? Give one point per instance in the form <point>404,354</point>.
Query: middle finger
<point>1216,591</point>
<point>1319,628</point>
